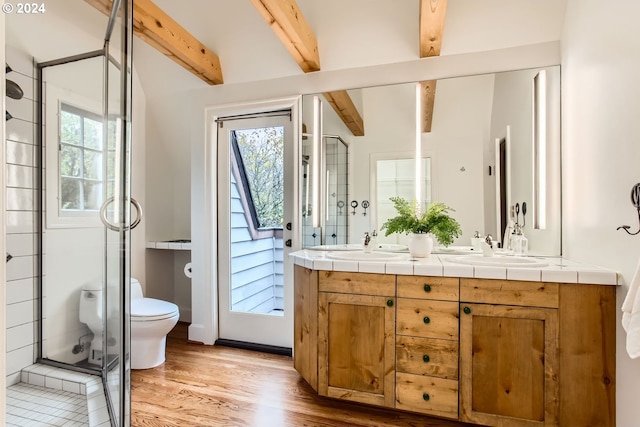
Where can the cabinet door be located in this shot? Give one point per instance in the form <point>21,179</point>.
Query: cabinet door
<point>356,343</point>
<point>508,365</point>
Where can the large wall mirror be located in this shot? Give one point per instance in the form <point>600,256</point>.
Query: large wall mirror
<point>494,145</point>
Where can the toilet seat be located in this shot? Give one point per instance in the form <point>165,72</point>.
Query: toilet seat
<point>151,309</point>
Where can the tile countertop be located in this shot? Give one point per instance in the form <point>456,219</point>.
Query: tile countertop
<point>177,245</point>
<point>559,269</point>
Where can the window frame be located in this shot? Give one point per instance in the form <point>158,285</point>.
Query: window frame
<point>55,217</point>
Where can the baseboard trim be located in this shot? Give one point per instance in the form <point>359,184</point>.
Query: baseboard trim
<point>264,348</point>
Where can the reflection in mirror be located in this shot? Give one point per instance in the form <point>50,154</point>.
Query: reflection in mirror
<point>472,115</point>
<point>395,175</point>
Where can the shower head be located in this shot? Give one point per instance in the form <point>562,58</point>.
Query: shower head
<point>14,90</point>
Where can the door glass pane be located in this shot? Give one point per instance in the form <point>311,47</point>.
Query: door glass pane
<point>257,201</point>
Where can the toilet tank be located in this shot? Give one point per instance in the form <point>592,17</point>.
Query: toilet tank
<point>136,289</point>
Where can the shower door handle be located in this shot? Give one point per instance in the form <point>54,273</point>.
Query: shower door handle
<point>110,226</point>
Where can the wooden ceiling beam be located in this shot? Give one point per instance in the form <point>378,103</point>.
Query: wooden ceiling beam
<point>159,30</point>
<point>432,14</point>
<point>427,99</point>
<point>287,21</point>
<point>346,110</point>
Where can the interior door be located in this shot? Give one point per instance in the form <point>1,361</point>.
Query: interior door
<point>256,176</point>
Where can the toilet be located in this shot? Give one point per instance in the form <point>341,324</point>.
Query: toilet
<point>91,309</point>
<point>151,321</point>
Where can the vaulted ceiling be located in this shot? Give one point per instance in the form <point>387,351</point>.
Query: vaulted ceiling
<point>229,41</point>
<point>285,18</point>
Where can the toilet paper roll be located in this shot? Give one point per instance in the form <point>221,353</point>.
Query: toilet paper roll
<point>187,270</point>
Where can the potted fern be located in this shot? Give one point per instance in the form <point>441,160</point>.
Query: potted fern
<point>422,226</point>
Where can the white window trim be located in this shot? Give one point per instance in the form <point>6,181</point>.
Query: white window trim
<point>58,96</point>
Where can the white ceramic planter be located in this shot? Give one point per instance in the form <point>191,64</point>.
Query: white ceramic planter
<point>420,245</point>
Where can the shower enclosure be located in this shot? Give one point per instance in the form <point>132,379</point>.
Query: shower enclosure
<point>84,112</point>
<point>334,209</point>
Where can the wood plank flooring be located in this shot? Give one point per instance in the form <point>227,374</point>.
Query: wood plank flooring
<point>202,385</point>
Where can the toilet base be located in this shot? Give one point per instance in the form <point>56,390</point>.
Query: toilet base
<point>147,353</point>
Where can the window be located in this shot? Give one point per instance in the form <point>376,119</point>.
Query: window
<point>259,154</point>
<point>85,161</point>
<point>80,164</point>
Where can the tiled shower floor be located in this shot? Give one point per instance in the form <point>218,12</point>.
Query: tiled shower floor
<point>31,405</point>
<point>49,396</point>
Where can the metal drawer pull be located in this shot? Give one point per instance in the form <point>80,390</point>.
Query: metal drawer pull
<point>426,358</point>
<point>426,320</point>
<point>425,396</point>
<point>427,288</point>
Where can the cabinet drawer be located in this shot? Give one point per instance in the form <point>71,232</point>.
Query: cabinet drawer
<point>427,356</point>
<point>510,292</point>
<point>439,288</point>
<point>427,318</point>
<point>357,283</point>
<point>428,395</point>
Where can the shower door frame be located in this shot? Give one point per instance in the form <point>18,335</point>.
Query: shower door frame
<point>121,215</point>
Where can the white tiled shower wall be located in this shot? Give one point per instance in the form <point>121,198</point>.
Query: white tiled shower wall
<point>21,296</point>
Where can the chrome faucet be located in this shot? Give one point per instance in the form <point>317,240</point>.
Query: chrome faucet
<point>367,239</point>
<point>489,240</point>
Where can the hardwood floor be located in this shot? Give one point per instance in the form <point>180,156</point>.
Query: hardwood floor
<point>202,385</point>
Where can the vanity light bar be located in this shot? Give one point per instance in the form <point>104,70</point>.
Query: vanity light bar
<point>418,171</point>
<point>540,150</point>
<point>316,160</point>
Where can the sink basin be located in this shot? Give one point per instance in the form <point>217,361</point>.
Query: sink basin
<point>365,256</point>
<point>342,247</point>
<point>390,247</point>
<point>497,261</point>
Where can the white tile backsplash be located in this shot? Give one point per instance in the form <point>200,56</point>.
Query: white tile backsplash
<point>20,336</point>
<point>20,244</point>
<point>20,176</point>
<point>20,109</point>
<point>19,153</point>
<point>20,267</point>
<point>19,130</point>
<point>19,222</point>
<point>19,314</point>
<point>19,358</point>
<point>20,290</point>
<point>19,199</point>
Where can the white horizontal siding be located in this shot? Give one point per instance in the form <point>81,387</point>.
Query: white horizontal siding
<point>256,265</point>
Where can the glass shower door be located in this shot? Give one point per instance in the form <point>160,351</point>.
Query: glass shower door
<point>116,212</point>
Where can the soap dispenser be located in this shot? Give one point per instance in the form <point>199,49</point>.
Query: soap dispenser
<point>520,242</point>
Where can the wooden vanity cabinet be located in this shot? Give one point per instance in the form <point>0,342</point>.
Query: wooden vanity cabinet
<point>356,337</point>
<point>491,352</point>
<point>305,324</point>
<point>536,354</point>
<point>427,345</point>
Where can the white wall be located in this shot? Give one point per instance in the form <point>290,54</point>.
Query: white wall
<point>601,154</point>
